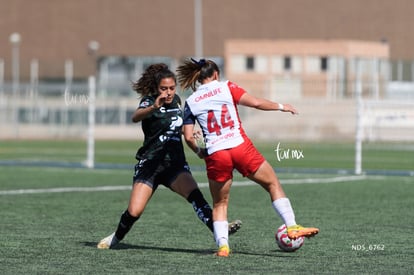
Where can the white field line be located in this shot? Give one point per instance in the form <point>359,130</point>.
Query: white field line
<point>128,187</point>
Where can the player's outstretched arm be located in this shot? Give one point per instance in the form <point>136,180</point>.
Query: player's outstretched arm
<point>265,105</point>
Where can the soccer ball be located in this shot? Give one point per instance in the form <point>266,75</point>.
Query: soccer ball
<point>286,244</point>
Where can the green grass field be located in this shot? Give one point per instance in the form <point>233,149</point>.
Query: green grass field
<point>52,217</point>
<point>376,156</point>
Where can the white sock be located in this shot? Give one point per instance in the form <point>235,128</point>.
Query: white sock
<point>221,232</point>
<point>284,209</point>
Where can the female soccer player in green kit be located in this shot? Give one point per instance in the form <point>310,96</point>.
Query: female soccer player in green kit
<point>161,158</point>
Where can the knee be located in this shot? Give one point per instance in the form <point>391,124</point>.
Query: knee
<point>135,211</point>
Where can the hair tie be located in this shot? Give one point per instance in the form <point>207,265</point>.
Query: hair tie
<point>200,63</point>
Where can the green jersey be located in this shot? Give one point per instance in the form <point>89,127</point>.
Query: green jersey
<point>162,132</point>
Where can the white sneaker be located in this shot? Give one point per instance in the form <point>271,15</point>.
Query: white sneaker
<point>108,242</point>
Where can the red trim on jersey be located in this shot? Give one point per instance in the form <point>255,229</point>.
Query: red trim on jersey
<point>237,92</point>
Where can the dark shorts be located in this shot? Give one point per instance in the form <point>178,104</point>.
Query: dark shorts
<point>155,172</point>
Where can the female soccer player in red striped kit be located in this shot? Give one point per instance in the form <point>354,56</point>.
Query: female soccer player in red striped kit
<point>227,147</point>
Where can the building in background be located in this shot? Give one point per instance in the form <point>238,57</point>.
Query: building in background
<point>292,69</point>
<point>307,51</point>
<point>132,32</point>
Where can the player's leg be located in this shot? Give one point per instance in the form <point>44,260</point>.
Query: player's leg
<point>140,195</point>
<point>186,186</point>
<point>220,174</point>
<point>267,178</point>
<point>142,190</point>
<point>220,193</point>
<point>249,162</point>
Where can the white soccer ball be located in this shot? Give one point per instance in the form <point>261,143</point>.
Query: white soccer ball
<point>285,243</point>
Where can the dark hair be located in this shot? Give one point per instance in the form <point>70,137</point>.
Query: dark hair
<point>192,71</point>
<point>149,81</point>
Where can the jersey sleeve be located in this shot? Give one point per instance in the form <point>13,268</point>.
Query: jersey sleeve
<point>146,102</point>
<point>236,91</point>
<point>188,117</point>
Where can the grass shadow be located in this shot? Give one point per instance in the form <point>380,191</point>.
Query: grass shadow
<point>125,246</point>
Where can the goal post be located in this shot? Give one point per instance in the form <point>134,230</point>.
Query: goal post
<point>90,158</point>
<point>381,120</point>
<point>358,130</point>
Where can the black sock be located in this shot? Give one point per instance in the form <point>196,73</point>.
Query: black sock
<point>202,208</point>
<point>125,225</point>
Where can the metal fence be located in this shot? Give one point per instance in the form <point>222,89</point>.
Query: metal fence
<point>59,110</point>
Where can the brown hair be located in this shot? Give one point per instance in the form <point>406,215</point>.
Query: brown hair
<point>192,71</point>
<point>149,81</point>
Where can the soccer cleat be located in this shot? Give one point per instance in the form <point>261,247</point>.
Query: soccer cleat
<point>223,251</point>
<point>108,242</point>
<point>296,231</point>
<point>234,226</point>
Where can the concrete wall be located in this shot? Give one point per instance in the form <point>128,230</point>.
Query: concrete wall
<point>318,120</point>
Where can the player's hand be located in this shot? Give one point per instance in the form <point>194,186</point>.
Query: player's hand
<point>289,108</point>
<point>197,135</point>
<point>160,100</point>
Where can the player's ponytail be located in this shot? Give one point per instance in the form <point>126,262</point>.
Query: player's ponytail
<point>193,71</point>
